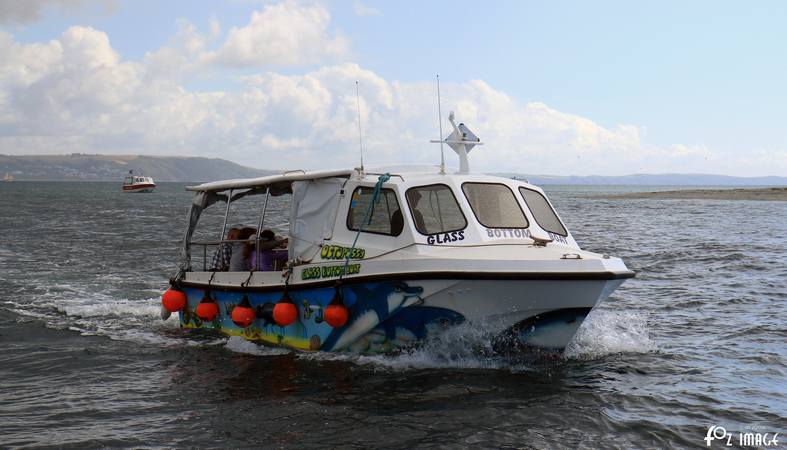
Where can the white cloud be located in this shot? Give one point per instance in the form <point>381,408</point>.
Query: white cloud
<point>75,94</point>
<point>286,33</point>
<point>362,9</point>
<point>178,56</point>
<point>27,11</point>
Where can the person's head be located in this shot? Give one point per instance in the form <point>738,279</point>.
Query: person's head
<point>267,235</point>
<point>414,196</point>
<point>246,232</point>
<point>232,234</point>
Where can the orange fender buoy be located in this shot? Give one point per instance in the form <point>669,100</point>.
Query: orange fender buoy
<point>336,314</point>
<point>207,310</point>
<point>243,315</point>
<point>285,312</point>
<point>174,299</point>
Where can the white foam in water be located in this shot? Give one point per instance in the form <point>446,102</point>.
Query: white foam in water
<point>239,345</point>
<point>120,308</point>
<point>465,346</point>
<point>91,313</point>
<point>609,332</point>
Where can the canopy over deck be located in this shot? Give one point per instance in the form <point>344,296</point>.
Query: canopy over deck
<point>311,216</point>
<point>274,181</point>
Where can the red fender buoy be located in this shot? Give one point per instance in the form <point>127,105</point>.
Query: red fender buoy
<point>336,314</point>
<point>174,299</point>
<point>285,312</point>
<point>243,315</point>
<point>207,310</point>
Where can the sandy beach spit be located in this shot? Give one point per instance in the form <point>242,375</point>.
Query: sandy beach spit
<point>767,194</point>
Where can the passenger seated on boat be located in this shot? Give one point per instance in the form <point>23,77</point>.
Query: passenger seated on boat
<point>397,222</point>
<point>413,197</point>
<point>241,251</point>
<point>272,251</point>
<point>223,254</point>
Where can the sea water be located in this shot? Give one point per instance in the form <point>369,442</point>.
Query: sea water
<point>696,340</point>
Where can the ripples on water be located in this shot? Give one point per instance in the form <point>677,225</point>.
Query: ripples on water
<point>697,339</point>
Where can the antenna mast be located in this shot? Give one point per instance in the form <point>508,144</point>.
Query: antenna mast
<point>360,140</point>
<point>440,125</point>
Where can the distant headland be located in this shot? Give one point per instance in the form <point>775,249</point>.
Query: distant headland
<point>96,167</point>
<point>84,167</point>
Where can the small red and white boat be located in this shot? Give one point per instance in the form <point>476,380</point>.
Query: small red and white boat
<point>138,183</point>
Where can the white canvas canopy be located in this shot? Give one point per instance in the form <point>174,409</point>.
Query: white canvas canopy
<point>312,213</point>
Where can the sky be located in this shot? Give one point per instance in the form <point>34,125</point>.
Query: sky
<point>558,88</point>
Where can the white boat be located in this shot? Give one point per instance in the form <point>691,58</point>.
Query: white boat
<point>8,178</point>
<point>380,261</point>
<point>138,183</point>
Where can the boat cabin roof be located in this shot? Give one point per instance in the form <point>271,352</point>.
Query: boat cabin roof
<point>412,175</point>
<point>272,180</point>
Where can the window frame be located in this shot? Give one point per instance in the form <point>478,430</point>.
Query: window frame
<point>349,211</point>
<point>552,208</point>
<point>524,216</point>
<point>412,216</point>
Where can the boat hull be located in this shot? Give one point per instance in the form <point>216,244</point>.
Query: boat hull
<point>139,188</point>
<point>391,314</point>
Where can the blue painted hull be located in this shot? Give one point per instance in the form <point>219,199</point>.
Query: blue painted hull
<point>383,316</point>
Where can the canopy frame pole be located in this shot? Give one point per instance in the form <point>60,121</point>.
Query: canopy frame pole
<point>226,216</point>
<point>259,228</point>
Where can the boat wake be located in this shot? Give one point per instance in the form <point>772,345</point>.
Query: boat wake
<point>606,332</point>
<point>237,344</point>
<point>466,346</point>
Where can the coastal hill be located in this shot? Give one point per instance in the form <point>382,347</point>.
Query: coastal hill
<point>84,167</point>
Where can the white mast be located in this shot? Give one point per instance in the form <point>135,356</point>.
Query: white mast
<point>440,126</point>
<point>360,136</point>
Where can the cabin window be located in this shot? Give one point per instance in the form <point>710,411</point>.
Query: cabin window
<point>385,216</point>
<point>494,205</point>
<point>435,210</point>
<point>543,213</point>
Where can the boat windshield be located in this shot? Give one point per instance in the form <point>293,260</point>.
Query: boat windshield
<point>494,205</point>
<point>128,180</point>
<point>435,210</point>
<point>543,213</point>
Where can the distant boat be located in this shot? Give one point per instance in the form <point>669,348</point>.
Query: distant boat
<point>8,178</point>
<point>138,183</point>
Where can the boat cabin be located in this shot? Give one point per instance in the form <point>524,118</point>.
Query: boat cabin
<point>131,180</point>
<point>335,216</point>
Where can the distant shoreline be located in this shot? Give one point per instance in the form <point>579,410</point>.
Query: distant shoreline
<point>762,194</point>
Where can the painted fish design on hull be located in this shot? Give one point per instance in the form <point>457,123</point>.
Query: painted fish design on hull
<point>374,304</point>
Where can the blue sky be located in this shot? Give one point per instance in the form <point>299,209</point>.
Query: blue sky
<point>552,87</point>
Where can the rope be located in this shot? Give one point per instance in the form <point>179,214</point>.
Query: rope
<point>248,280</point>
<point>367,218</point>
